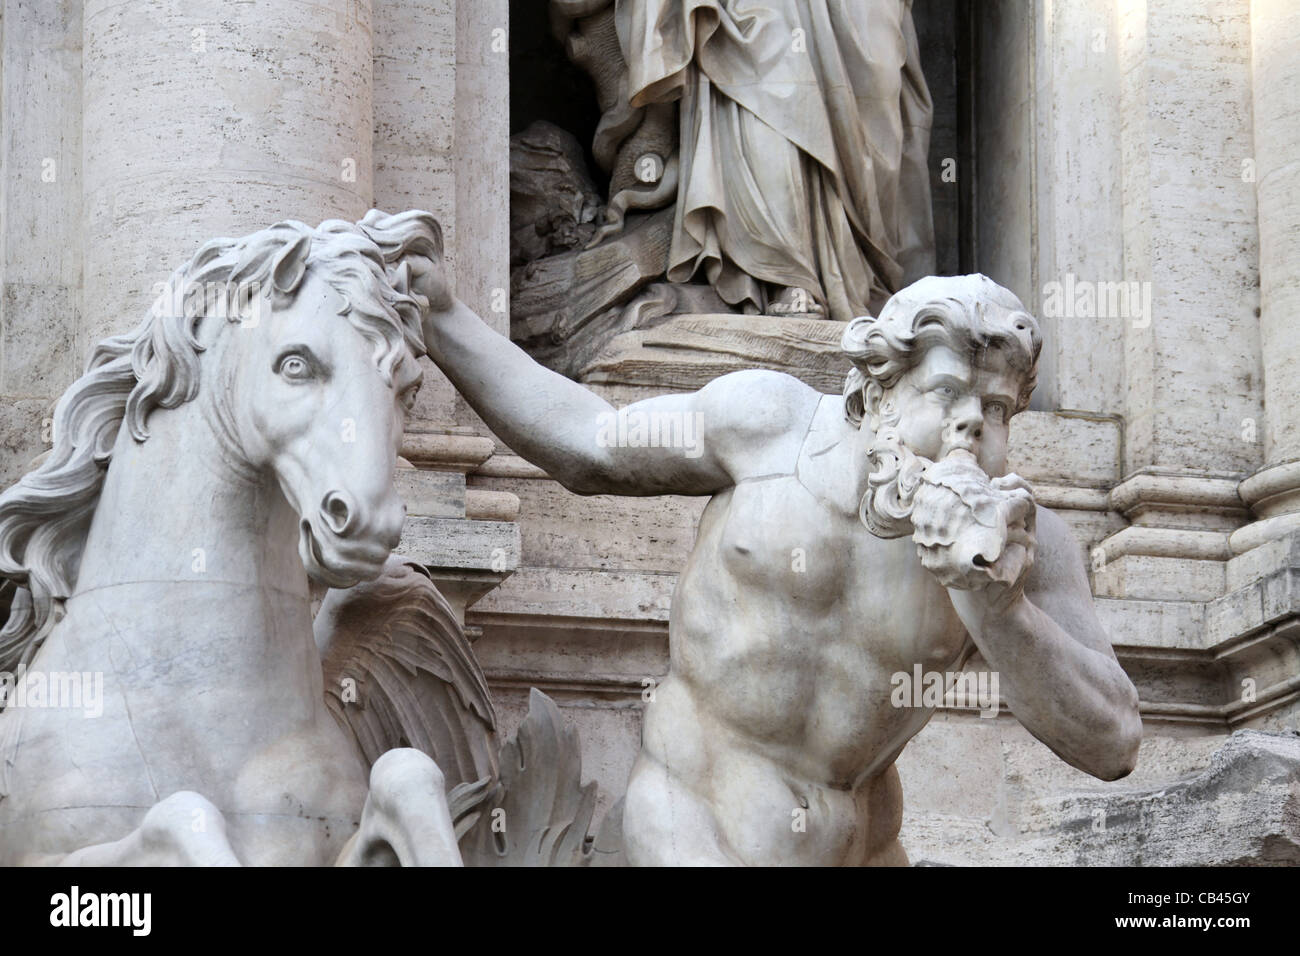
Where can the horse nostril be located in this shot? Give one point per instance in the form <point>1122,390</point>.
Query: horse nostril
<point>336,512</point>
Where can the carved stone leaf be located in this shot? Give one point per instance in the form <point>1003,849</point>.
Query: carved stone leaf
<point>543,814</point>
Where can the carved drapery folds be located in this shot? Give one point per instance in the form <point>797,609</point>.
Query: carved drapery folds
<point>762,162</point>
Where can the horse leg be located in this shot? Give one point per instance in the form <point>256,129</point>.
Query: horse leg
<point>405,821</point>
<point>183,830</point>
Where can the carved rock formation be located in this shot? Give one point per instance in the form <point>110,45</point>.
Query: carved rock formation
<point>1241,810</point>
<point>553,202</point>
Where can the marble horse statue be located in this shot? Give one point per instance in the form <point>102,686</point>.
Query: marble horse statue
<point>239,443</point>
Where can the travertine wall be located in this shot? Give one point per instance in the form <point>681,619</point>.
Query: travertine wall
<point>40,220</point>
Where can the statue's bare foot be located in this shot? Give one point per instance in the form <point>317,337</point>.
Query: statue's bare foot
<point>792,300</point>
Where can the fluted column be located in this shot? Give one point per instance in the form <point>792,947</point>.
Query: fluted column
<point>205,118</point>
<point>1274,492</point>
<point>1192,402</point>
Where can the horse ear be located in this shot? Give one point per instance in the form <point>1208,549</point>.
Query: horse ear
<point>289,266</point>
<point>400,278</point>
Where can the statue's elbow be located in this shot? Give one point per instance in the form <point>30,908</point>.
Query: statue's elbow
<point>1122,754</point>
<point>584,481</point>
<point>580,470</point>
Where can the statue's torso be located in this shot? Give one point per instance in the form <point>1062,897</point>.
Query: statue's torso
<point>788,623</point>
<point>790,620</point>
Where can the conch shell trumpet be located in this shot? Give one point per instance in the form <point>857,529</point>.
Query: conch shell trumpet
<point>956,514</point>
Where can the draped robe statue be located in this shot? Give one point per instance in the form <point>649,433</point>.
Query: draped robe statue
<point>804,128</point>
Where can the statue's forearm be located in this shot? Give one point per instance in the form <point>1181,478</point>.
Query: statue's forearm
<point>1077,701</point>
<point>546,418</point>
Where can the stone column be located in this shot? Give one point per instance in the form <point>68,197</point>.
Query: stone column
<point>40,220</point>
<point>1191,338</point>
<point>482,169</point>
<point>414,139</point>
<point>205,118</point>
<point>441,143</point>
<point>1078,205</point>
<point>483,159</point>
<point>1274,492</point>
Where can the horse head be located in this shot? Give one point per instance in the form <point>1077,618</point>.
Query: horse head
<point>311,387</point>
<point>311,336</point>
<point>316,374</point>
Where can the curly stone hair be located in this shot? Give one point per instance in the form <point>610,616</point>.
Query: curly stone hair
<point>965,313</point>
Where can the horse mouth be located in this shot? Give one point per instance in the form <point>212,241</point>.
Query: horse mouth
<point>334,565</point>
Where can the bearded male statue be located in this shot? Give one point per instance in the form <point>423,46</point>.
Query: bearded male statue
<point>778,697</point>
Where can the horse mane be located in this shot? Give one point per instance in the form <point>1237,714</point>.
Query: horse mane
<point>46,516</point>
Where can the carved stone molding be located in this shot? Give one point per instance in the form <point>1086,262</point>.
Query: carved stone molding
<point>1273,494</point>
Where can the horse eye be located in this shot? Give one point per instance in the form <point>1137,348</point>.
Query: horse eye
<point>295,367</point>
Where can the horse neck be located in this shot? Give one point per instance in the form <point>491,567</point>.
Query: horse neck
<point>188,547</point>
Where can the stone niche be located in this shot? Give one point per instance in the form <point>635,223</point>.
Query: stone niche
<point>605,314</point>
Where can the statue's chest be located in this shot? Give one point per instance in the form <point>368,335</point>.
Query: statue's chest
<point>780,545</point>
<point>773,534</point>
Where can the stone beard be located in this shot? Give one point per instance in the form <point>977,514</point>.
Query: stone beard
<point>886,508</point>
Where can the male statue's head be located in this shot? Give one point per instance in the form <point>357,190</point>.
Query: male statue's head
<point>946,364</point>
